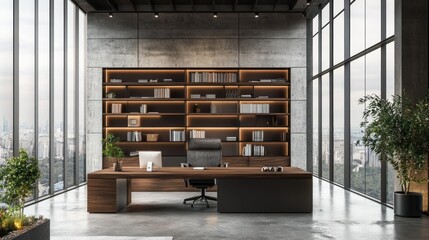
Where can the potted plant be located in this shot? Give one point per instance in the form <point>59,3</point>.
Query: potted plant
<point>18,180</point>
<point>398,131</point>
<point>112,152</point>
<point>110,94</point>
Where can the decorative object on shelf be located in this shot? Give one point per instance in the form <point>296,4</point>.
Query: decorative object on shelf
<point>196,108</point>
<point>111,94</point>
<point>167,80</point>
<point>195,95</point>
<point>142,80</point>
<point>272,169</point>
<point>398,132</point>
<point>18,179</point>
<point>151,137</point>
<point>112,152</point>
<point>274,121</point>
<point>133,121</point>
<point>247,150</point>
<point>113,80</point>
<point>197,134</point>
<point>153,80</point>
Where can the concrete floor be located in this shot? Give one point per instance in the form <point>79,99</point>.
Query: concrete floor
<point>338,214</point>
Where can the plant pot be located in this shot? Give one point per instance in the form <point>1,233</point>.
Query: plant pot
<point>117,166</point>
<point>407,205</point>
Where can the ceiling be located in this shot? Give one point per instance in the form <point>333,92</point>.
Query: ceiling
<point>189,6</point>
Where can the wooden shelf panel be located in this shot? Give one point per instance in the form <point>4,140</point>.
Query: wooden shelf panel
<point>237,99</point>
<point>154,84</point>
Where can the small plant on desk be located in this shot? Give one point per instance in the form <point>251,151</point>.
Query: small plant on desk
<point>112,152</point>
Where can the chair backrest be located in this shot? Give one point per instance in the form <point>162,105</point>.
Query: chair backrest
<point>204,152</point>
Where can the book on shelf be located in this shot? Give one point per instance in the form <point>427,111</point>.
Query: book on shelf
<point>195,95</point>
<point>134,136</point>
<point>213,77</point>
<point>177,135</point>
<point>245,95</point>
<point>153,80</point>
<point>117,108</point>
<point>143,80</point>
<point>231,139</point>
<point>161,93</point>
<point>258,136</point>
<point>254,108</point>
<point>263,97</point>
<point>210,95</point>
<point>258,150</point>
<point>197,134</point>
<point>231,93</point>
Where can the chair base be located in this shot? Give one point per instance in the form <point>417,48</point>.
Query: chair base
<point>200,198</point>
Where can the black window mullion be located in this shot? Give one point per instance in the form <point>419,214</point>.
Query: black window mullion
<point>65,104</point>
<point>347,142</point>
<point>383,180</point>
<point>76,98</point>
<point>36,85</point>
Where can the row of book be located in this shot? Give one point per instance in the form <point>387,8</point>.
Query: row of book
<point>254,108</point>
<point>134,136</point>
<point>177,135</point>
<point>258,136</point>
<point>117,108</point>
<point>197,77</point>
<point>253,150</point>
<point>197,134</point>
<point>161,93</point>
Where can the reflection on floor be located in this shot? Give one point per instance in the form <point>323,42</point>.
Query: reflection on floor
<point>338,214</point>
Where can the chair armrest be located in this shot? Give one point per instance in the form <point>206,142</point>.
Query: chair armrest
<point>226,164</point>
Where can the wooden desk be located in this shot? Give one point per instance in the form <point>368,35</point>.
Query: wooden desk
<point>239,189</point>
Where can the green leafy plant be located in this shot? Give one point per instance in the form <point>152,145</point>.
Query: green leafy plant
<point>18,179</point>
<point>111,94</point>
<point>110,147</point>
<point>398,131</point>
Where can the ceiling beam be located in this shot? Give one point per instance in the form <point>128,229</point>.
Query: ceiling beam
<point>254,4</point>
<point>235,5</point>
<point>133,4</point>
<point>292,4</point>
<point>151,5</point>
<point>275,4</point>
<point>214,4</point>
<point>113,5</point>
<point>173,4</point>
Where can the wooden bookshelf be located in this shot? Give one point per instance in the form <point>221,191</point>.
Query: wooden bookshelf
<point>211,103</point>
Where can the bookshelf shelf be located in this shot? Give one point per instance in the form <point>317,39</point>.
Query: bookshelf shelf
<point>230,104</point>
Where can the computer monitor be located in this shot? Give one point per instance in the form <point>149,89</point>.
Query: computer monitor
<point>150,156</point>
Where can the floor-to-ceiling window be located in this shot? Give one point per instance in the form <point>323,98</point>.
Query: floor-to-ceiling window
<point>46,41</point>
<point>6,81</point>
<point>361,42</point>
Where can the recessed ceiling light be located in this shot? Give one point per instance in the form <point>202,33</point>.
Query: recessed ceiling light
<point>156,15</point>
<point>256,15</point>
<point>215,15</point>
<point>110,15</point>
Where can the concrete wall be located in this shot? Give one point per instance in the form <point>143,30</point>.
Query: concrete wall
<point>196,40</point>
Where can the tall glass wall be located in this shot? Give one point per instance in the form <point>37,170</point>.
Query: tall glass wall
<point>354,72</point>
<point>48,85</point>
<point>6,81</point>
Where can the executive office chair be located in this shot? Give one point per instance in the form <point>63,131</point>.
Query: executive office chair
<point>203,152</point>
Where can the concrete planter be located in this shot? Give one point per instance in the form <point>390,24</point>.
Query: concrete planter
<point>39,232</point>
<point>407,205</point>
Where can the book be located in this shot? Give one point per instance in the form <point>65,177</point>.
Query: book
<point>143,81</point>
